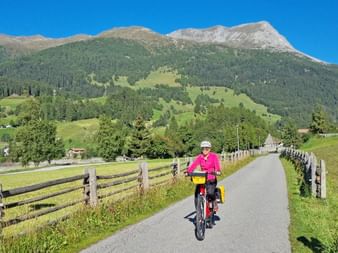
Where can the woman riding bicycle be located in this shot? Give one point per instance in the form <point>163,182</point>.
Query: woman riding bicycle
<point>209,162</point>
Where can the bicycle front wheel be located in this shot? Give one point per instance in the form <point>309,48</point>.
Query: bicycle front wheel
<point>200,218</point>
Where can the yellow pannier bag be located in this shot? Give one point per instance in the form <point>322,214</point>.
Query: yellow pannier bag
<point>198,177</point>
<point>221,191</point>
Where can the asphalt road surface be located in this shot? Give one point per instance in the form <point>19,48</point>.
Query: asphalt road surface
<point>255,218</point>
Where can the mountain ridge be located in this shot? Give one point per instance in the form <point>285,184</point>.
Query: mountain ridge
<point>258,35</point>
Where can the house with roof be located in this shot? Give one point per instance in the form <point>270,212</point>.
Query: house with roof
<point>76,152</point>
<point>271,144</point>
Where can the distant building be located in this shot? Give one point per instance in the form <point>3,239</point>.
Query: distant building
<point>75,152</point>
<point>271,144</point>
<point>6,151</point>
<point>303,130</point>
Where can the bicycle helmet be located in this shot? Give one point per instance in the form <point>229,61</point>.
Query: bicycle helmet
<point>205,144</point>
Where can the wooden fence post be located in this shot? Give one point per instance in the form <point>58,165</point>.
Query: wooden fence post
<point>2,213</point>
<point>313,175</point>
<point>144,179</point>
<point>90,187</point>
<point>322,179</point>
<point>93,188</point>
<point>178,166</point>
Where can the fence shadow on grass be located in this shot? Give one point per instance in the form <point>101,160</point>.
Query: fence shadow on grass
<point>40,206</point>
<point>313,244</point>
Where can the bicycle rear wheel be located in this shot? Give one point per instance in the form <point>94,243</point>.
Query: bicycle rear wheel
<point>200,219</point>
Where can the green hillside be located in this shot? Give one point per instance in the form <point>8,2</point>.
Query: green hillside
<point>78,133</point>
<point>184,113</point>
<point>12,102</point>
<point>287,84</point>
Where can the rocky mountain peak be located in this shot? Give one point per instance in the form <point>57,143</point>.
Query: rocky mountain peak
<point>260,35</point>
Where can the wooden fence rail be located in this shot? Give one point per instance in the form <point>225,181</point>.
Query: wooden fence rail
<point>314,173</point>
<point>91,187</point>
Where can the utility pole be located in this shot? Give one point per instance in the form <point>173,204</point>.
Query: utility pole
<point>259,141</point>
<point>237,138</point>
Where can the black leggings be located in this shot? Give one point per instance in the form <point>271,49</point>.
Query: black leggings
<point>211,187</point>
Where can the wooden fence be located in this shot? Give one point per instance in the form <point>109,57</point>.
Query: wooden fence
<point>314,172</point>
<point>143,179</point>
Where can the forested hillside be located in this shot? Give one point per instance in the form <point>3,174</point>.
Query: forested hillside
<point>287,84</point>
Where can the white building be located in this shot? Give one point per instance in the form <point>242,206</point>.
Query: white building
<point>271,144</point>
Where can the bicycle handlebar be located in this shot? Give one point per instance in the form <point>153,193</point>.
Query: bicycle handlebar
<point>203,173</point>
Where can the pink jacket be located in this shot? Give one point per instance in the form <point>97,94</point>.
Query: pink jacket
<point>209,164</point>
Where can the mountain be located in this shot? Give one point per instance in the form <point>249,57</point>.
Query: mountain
<point>259,35</point>
<point>18,45</point>
<point>275,76</point>
<point>28,44</point>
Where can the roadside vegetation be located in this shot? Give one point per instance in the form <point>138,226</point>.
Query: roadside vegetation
<point>314,222</point>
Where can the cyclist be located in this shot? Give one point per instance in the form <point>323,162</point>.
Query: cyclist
<point>208,161</point>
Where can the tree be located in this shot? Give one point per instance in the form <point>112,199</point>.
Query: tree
<point>290,135</point>
<point>110,139</point>
<point>158,147</point>
<point>320,121</point>
<point>36,141</point>
<point>174,140</point>
<point>30,110</point>
<point>140,138</point>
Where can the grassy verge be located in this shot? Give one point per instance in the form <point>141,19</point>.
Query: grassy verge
<point>87,226</point>
<point>313,226</point>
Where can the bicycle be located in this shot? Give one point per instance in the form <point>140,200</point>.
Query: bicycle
<point>205,215</point>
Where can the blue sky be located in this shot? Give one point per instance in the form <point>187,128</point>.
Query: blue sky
<point>311,26</point>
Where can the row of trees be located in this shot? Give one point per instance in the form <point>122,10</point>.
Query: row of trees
<point>36,139</point>
<point>219,126</point>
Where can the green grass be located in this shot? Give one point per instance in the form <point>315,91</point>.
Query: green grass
<point>12,102</point>
<point>81,132</point>
<point>10,131</point>
<point>160,76</point>
<point>230,99</point>
<point>7,120</point>
<point>317,143</point>
<point>87,226</point>
<point>100,100</point>
<point>314,222</point>
<point>78,133</point>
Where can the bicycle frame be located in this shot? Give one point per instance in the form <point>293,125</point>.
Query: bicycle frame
<point>207,211</point>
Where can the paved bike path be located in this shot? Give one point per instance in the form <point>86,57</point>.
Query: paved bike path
<point>255,218</point>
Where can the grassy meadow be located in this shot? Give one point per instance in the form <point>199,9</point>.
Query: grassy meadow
<point>11,181</point>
